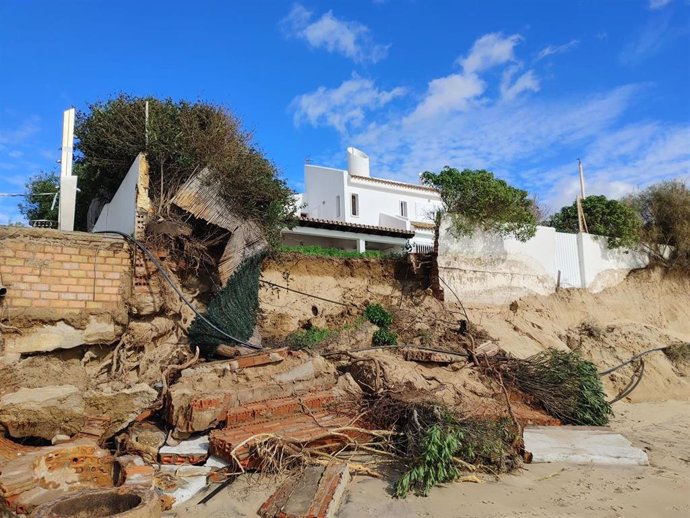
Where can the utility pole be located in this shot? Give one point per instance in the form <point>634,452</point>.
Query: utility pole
<point>68,182</point>
<point>582,222</point>
<point>582,179</point>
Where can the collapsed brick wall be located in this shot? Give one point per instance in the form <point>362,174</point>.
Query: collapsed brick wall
<point>63,270</point>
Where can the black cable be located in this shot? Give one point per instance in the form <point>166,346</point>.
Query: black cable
<point>174,286</point>
<point>634,382</point>
<point>399,347</point>
<point>307,294</point>
<point>458,298</point>
<point>636,357</point>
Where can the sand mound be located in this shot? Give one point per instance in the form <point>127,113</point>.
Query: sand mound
<point>648,309</point>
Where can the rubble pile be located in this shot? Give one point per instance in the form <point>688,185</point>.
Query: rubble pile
<point>144,417</point>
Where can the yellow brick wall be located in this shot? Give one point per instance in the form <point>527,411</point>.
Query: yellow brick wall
<point>63,270</point>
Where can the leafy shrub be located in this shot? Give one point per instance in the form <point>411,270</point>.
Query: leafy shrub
<point>384,336</point>
<point>183,137</point>
<point>307,338</point>
<point>564,383</point>
<point>476,199</point>
<point>614,219</point>
<point>377,315</point>
<point>665,211</point>
<point>482,443</point>
<point>434,465</point>
<point>40,207</point>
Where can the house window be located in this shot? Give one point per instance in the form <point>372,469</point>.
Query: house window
<point>355,204</point>
<point>403,209</point>
<point>337,207</point>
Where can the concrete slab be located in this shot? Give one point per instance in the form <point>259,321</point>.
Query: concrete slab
<point>582,445</point>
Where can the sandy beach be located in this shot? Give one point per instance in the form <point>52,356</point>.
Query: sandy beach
<point>661,489</point>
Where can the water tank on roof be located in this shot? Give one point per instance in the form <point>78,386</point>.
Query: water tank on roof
<point>357,162</point>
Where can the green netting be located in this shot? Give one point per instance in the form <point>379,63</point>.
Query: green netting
<point>233,310</point>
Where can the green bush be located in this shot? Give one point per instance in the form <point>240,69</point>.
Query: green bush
<point>611,218</point>
<point>319,251</point>
<point>478,200</point>
<point>434,464</point>
<point>384,336</point>
<point>378,316</point>
<point>307,338</point>
<point>486,444</point>
<point>564,383</point>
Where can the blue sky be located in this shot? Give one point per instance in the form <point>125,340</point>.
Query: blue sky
<point>522,88</point>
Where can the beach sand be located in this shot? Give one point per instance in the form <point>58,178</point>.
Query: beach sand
<point>661,489</point>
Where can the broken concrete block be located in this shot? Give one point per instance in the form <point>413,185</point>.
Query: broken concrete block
<point>99,329</point>
<point>202,397</point>
<point>143,438</point>
<point>581,445</point>
<point>44,474</point>
<point>317,493</point>
<point>123,502</point>
<point>65,409</point>
<point>426,356</point>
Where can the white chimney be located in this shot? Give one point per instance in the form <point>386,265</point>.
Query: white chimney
<point>357,162</point>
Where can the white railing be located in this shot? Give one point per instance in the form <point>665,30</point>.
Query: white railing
<point>422,248</point>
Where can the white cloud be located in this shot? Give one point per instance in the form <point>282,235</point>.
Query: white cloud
<point>649,40</point>
<point>14,136</point>
<point>658,4</point>
<point>488,51</point>
<point>624,160</point>
<point>349,38</point>
<point>450,93</point>
<point>526,82</point>
<point>550,50</point>
<point>342,107</point>
<point>456,92</point>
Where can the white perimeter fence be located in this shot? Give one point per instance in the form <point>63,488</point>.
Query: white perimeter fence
<point>490,269</point>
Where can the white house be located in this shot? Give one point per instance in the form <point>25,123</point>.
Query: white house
<point>350,209</point>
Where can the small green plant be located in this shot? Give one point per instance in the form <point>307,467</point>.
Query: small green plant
<point>435,464</point>
<point>377,315</point>
<point>486,444</point>
<point>383,336</point>
<point>319,251</point>
<point>307,338</point>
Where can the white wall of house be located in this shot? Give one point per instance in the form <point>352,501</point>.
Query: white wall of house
<point>353,196</point>
<point>377,199</point>
<point>490,269</point>
<point>324,192</point>
<point>121,212</point>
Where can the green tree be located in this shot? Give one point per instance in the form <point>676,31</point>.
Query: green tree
<point>664,209</point>
<point>476,199</point>
<point>614,219</point>
<point>38,203</point>
<point>183,138</point>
